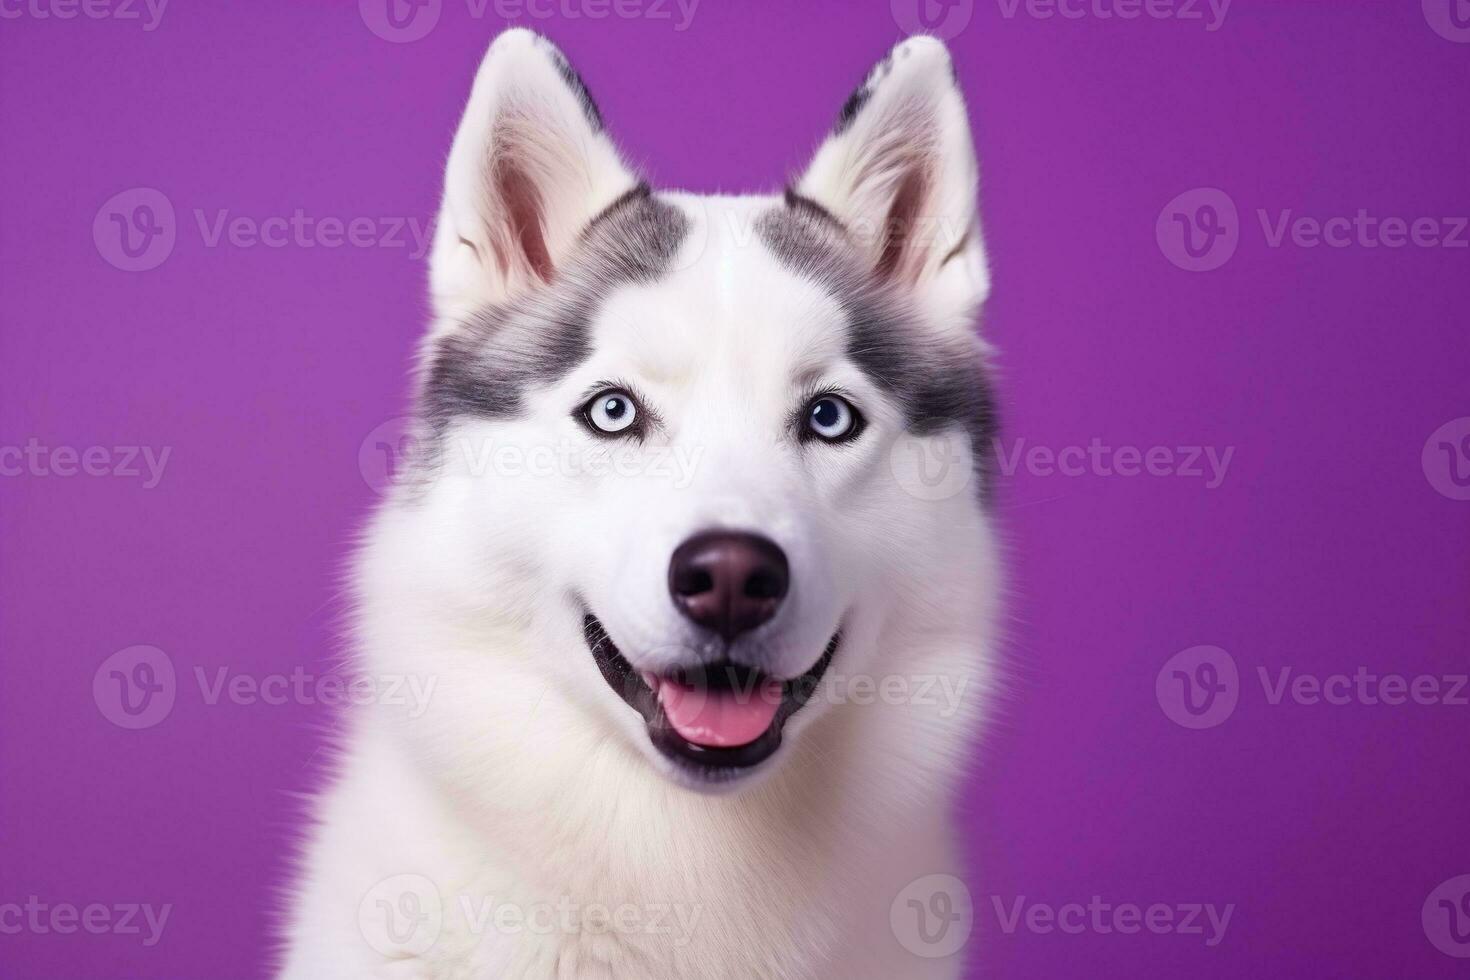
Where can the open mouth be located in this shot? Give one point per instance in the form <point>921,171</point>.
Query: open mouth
<point>715,720</point>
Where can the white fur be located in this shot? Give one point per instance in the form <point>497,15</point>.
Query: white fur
<point>524,779</point>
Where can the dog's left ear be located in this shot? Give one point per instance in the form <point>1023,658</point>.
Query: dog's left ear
<point>899,171</point>
<point>530,168</point>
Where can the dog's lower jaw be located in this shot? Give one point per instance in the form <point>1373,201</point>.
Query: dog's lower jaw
<point>791,879</point>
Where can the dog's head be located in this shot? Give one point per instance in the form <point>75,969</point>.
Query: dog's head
<point>680,449</point>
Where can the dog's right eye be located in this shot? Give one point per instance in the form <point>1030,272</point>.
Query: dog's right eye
<point>611,412</point>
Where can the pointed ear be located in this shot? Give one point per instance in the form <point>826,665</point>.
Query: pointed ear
<point>529,169</point>
<point>899,171</point>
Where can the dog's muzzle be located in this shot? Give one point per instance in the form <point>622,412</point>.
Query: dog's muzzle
<point>716,720</point>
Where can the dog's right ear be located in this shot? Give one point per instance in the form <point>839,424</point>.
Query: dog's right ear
<point>530,167</point>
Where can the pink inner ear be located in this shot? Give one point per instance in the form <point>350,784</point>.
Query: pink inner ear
<point>901,225</point>
<point>522,205</point>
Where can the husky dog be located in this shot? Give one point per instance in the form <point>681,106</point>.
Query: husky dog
<point>706,635</point>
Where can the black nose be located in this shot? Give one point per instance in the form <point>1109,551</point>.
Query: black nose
<point>728,581</point>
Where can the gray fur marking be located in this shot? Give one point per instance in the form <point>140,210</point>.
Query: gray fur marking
<point>574,82</point>
<point>484,368</point>
<point>937,380</point>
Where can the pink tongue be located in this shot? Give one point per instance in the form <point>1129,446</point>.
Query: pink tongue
<point>719,719</point>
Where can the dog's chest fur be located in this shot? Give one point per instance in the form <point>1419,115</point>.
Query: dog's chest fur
<point>626,877</point>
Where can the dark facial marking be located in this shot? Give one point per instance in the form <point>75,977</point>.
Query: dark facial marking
<point>579,89</point>
<point>851,108</point>
<point>860,95</point>
<point>483,368</point>
<point>800,202</point>
<point>808,239</point>
<point>936,379</point>
<point>633,194</point>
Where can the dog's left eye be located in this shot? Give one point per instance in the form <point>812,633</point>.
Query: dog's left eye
<point>611,412</point>
<point>832,417</point>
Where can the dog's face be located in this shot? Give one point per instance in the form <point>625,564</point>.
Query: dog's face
<point>678,440</point>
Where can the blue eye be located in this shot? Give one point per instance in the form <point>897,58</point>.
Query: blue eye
<point>612,412</point>
<point>832,417</point>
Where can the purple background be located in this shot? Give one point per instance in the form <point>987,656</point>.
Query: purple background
<point>1325,548</point>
